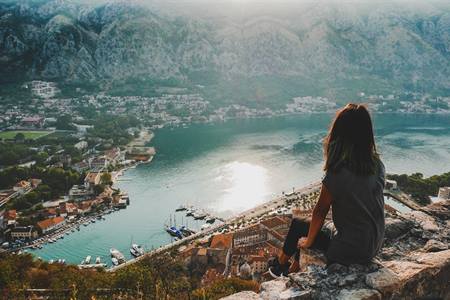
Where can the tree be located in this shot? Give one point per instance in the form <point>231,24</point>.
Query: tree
<point>98,189</point>
<point>19,137</point>
<point>64,122</point>
<point>106,178</point>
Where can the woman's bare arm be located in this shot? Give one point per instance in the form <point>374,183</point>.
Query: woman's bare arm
<point>318,217</point>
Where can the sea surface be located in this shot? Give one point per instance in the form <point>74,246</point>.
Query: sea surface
<point>226,168</point>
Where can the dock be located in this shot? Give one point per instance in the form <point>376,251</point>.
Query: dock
<point>92,266</point>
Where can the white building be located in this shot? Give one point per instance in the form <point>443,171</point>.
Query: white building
<point>81,145</point>
<point>391,185</point>
<point>51,224</point>
<point>44,89</point>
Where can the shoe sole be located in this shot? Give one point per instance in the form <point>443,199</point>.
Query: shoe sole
<point>274,276</point>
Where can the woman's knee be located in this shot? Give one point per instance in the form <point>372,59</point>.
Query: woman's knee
<point>300,225</point>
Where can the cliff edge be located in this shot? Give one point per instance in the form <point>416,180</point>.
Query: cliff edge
<point>414,263</point>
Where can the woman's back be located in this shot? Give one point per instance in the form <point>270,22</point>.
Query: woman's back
<point>358,214</point>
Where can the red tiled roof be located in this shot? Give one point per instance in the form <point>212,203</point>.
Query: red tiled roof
<point>273,222</point>
<point>11,214</point>
<point>22,184</point>
<point>254,258</point>
<point>50,222</point>
<point>222,241</point>
<point>91,177</point>
<point>32,119</point>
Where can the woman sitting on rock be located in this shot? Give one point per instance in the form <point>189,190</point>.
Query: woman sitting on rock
<point>353,187</point>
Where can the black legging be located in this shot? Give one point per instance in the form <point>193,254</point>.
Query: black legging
<point>299,228</point>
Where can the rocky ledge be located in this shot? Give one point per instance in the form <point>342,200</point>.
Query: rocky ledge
<point>414,263</point>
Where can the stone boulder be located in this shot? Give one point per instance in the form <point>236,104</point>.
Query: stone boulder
<point>245,295</point>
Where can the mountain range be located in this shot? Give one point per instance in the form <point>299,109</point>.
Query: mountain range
<point>325,48</point>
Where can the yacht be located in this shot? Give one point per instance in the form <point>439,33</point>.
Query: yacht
<point>117,254</point>
<point>205,226</point>
<point>97,260</point>
<point>199,216</point>
<point>136,250</point>
<point>87,260</point>
<point>115,261</point>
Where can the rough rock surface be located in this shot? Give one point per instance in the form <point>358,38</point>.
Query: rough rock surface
<point>414,263</point>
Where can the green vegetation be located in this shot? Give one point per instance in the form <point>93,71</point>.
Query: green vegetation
<point>64,123</point>
<point>55,182</point>
<point>225,287</point>
<point>11,154</point>
<point>161,277</point>
<point>113,128</point>
<point>30,135</point>
<point>22,149</point>
<point>419,187</point>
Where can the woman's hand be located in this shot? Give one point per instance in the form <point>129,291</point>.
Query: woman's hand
<point>303,243</point>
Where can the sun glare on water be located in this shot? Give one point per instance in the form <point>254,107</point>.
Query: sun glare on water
<point>245,185</point>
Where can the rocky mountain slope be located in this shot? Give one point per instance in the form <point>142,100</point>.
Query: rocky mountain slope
<point>330,46</point>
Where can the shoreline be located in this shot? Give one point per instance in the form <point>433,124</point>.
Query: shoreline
<point>69,227</point>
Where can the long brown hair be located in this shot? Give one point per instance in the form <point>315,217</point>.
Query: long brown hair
<point>350,142</point>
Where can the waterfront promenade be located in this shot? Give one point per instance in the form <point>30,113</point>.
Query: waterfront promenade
<point>249,214</point>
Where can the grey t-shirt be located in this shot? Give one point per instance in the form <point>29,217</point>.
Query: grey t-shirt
<point>358,215</point>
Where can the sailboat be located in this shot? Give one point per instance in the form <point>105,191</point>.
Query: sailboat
<point>172,230</point>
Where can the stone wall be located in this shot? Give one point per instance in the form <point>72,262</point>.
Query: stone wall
<point>414,263</point>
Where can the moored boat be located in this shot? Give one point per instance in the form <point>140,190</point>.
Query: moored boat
<point>181,208</point>
<point>115,261</point>
<point>136,250</point>
<point>210,220</point>
<point>199,216</point>
<point>87,260</point>
<point>117,254</point>
<point>173,231</point>
<point>186,231</point>
<point>205,226</point>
